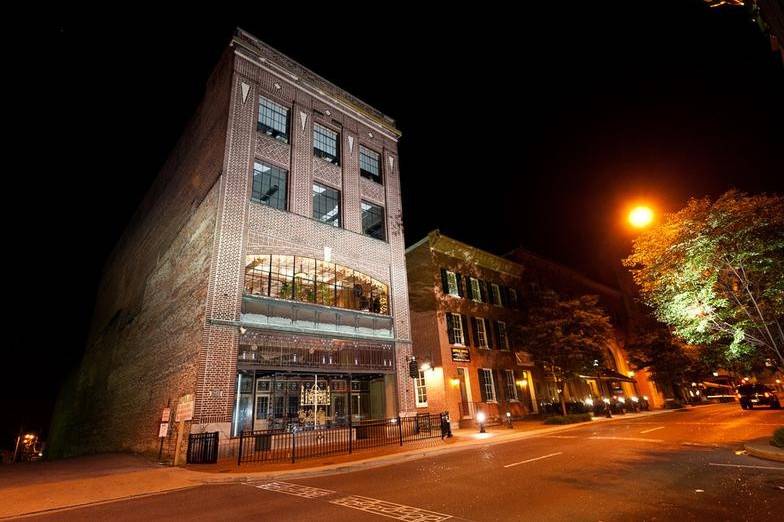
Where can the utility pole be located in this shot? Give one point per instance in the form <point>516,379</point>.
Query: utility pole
<point>18,441</point>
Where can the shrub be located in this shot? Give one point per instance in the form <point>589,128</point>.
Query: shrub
<point>568,419</point>
<point>778,438</point>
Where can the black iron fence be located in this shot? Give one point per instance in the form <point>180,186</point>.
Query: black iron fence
<point>299,443</point>
<point>202,448</point>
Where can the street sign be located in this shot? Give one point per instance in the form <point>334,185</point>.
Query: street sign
<point>165,415</point>
<point>184,409</point>
<point>163,430</point>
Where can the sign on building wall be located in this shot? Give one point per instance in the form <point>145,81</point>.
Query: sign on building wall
<point>184,409</point>
<point>165,415</point>
<point>461,354</point>
<point>163,430</point>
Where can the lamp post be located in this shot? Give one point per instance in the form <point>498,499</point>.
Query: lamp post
<point>480,418</point>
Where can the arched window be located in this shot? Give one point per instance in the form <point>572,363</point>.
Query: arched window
<point>313,281</point>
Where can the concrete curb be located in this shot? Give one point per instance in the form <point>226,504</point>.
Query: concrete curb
<point>761,448</point>
<point>405,456</point>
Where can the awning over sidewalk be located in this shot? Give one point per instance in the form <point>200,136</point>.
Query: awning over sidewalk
<point>610,375</point>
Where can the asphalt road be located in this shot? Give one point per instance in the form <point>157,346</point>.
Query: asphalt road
<point>675,466</point>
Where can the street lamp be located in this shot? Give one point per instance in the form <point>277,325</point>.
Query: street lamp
<point>480,418</point>
<point>640,216</point>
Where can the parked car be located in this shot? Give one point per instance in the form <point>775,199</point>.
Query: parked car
<point>750,395</point>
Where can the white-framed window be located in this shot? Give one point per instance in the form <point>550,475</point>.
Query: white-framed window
<point>503,340</point>
<point>487,386</point>
<point>476,293</point>
<point>481,332</point>
<point>420,388</point>
<point>455,329</point>
<point>511,386</point>
<point>451,282</point>
<point>496,295</point>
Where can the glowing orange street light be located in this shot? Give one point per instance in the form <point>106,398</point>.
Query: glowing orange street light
<point>640,216</point>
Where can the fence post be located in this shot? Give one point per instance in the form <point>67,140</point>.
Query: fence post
<point>239,452</point>
<point>293,445</point>
<point>350,435</point>
<point>400,428</point>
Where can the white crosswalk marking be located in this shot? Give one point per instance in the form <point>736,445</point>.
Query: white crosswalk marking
<point>390,509</point>
<point>295,489</point>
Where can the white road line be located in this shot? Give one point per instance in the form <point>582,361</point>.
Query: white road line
<point>297,490</point>
<point>390,509</point>
<point>636,439</point>
<point>779,468</point>
<point>652,429</point>
<point>531,460</point>
<point>560,437</point>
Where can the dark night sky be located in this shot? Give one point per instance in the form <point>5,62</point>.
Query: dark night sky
<point>531,127</point>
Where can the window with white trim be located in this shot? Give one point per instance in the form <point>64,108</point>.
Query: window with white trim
<point>421,390</point>
<point>458,332</point>
<point>511,386</point>
<point>476,293</point>
<point>451,282</point>
<point>488,386</point>
<point>503,340</point>
<point>496,295</point>
<point>481,332</point>
<point>273,119</point>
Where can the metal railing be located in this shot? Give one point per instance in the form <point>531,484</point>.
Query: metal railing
<point>202,448</point>
<point>281,446</point>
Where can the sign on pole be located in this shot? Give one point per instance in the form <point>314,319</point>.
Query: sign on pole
<point>165,415</point>
<point>164,430</point>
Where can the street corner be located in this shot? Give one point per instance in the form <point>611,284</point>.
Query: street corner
<point>763,449</point>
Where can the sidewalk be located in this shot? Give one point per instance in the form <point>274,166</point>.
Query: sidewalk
<point>50,486</point>
<point>763,449</point>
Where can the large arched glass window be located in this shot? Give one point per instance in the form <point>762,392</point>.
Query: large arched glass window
<point>312,281</point>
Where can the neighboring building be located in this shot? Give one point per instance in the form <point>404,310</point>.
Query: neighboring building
<point>262,281</point>
<point>465,310</point>
<point>467,306</point>
<point>619,378</point>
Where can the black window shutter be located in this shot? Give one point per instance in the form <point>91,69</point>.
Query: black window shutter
<point>489,332</point>
<point>450,332</point>
<point>483,291</point>
<point>444,282</point>
<point>482,389</point>
<point>491,291</point>
<point>496,379</point>
<point>459,284</point>
<point>469,290</point>
<point>504,296</point>
<point>464,319</point>
<point>497,333</point>
<point>474,320</point>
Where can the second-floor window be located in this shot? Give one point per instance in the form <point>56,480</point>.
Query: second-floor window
<point>373,220</point>
<point>480,331</point>
<point>326,204</point>
<point>454,328</point>
<point>325,143</point>
<point>495,294</point>
<point>451,283</point>
<point>269,185</point>
<point>503,340</point>
<point>273,119</point>
<point>512,297</point>
<point>370,164</point>
<point>476,293</point>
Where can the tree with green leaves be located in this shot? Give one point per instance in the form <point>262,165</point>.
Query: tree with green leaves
<point>714,272</point>
<point>566,336</point>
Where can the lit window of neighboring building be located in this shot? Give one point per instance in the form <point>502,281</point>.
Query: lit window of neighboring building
<point>503,340</point>
<point>476,293</point>
<point>269,185</point>
<point>481,332</point>
<point>511,387</point>
<point>370,164</point>
<point>487,385</point>
<point>421,390</point>
<point>496,294</point>
<point>325,143</point>
<point>451,280</point>
<point>273,119</point>
<point>326,204</point>
<point>373,221</point>
<point>455,329</point>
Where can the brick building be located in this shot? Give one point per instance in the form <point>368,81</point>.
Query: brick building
<point>465,309</point>
<point>262,281</point>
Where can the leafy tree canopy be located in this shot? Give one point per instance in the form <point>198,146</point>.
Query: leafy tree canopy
<point>714,272</point>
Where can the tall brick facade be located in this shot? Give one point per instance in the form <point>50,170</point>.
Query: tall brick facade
<point>174,319</point>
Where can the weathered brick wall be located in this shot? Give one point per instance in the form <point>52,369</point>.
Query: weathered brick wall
<point>148,323</point>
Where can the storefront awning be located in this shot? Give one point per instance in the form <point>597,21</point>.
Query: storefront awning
<point>610,375</point>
